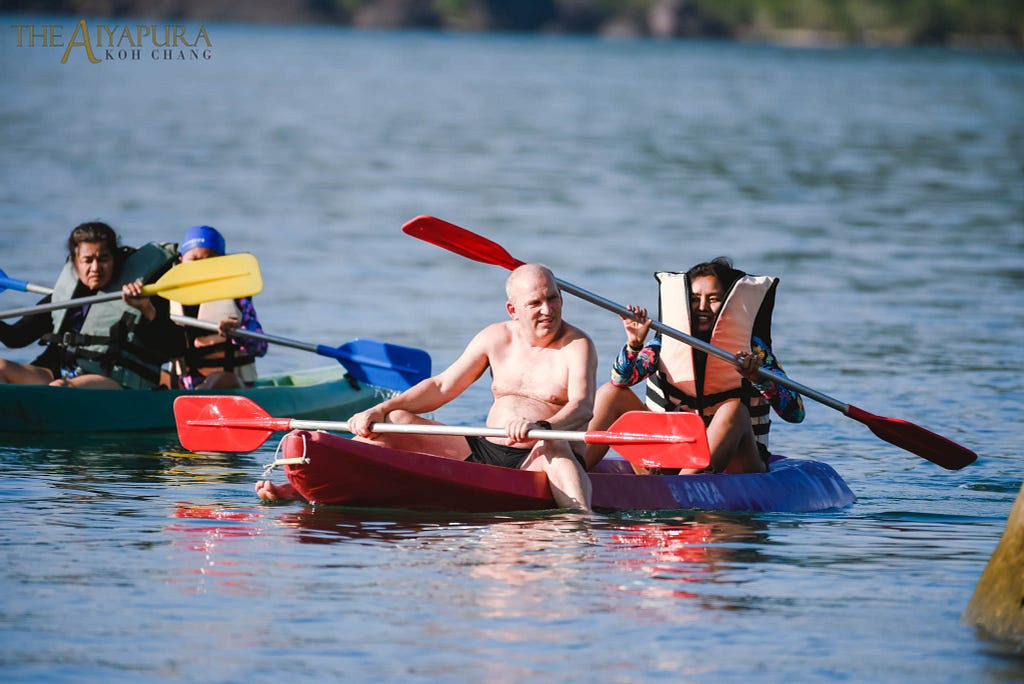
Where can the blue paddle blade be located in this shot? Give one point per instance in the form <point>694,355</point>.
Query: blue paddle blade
<point>381,363</point>
<point>21,285</point>
<point>6,282</point>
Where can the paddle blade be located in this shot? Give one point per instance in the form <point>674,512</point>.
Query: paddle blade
<point>223,423</point>
<point>381,363</point>
<point>6,282</point>
<point>659,440</point>
<point>916,439</point>
<point>461,241</point>
<point>206,280</point>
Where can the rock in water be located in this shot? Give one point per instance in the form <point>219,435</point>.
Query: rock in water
<point>998,602</point>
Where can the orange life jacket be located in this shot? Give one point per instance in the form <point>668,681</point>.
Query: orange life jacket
<point>688,379</point>
<point>206,353</point>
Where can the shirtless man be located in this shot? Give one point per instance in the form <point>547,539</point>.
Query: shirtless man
<point>543,374</point>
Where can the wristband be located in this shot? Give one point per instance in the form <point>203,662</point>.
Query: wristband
<point>545,425</point>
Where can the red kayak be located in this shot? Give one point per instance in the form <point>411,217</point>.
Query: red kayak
<point>329,469</point>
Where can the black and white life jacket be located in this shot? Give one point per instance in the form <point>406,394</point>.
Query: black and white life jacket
<point>688,379</point>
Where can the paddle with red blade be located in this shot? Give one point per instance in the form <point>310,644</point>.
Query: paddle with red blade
<point>644,438</point>
<point>913,438</point>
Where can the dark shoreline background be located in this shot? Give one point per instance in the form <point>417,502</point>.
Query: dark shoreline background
<point>992,24</point>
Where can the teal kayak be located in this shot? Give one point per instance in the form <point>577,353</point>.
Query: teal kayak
<point>317,394</point>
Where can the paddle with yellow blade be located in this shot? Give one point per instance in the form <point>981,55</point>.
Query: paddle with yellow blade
<point>193,282</point>
<point>644,438</point>
<point>913,438</point>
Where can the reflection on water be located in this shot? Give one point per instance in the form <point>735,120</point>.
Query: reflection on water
<point>698,551</point>
<point>201,539</point>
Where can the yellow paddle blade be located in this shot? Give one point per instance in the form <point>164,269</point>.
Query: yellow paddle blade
<point>206,280</point>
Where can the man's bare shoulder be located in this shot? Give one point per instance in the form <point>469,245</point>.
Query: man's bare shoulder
<point>498,329</point>
<point>571,333</point>
<point>499,333</point>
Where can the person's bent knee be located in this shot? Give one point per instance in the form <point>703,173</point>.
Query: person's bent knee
<point>402,416</point>
<point>733,410</point>
<point>610,393</point>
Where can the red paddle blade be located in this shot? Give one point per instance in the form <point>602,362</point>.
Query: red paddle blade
<point>916,439</point>
<point>658,440</point>
<point>223,423</point>
<point>461,241</point>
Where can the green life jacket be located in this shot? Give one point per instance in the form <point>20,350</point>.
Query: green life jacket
<point>107,343</point>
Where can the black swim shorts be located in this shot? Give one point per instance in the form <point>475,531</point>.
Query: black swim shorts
<point>483,450</point>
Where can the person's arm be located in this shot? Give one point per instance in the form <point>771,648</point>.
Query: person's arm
<point>434,392</point>
<point>632,366</point>
<point>27,329</point>
<point>157,332</point>
<point>248,321</point>
<point>786,402</point>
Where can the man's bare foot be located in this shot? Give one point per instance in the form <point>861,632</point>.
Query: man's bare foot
<point>268,491</point>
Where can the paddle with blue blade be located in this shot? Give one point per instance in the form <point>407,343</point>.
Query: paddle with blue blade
<point>644,438</point>
<point>381,364</point>
<point>20,285</point>
<point>193,282</point>
<point>906,435</point>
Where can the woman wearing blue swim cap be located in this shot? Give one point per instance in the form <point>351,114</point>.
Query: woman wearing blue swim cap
<point>216,360</point>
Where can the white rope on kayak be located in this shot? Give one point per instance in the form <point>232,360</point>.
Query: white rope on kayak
<point>269,468</point>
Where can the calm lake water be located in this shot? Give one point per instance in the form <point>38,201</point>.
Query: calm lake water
<point>885,189</point>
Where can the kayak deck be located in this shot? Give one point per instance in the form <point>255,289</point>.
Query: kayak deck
<point>316,394</point>
<point>334,470</point>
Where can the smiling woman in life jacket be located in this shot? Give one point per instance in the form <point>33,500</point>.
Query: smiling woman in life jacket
<point>732,311</point>
<point>106,345</point>
<point>215,360</point>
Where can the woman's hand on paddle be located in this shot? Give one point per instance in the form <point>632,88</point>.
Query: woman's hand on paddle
<point>131,293</point>
<point>636,328</point>
<point>748,365</point>
<point>228,326</point>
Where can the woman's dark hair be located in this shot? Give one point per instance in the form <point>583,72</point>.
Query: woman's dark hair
<point>719,267</point>
<point>93,231</point>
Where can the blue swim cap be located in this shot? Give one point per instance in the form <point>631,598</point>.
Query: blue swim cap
<point>202,236</point>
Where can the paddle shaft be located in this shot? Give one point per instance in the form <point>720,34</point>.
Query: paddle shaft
<point>417,367</point>
<point>703,346</point>
<point>239,332</point>
<point>15,284</point>
<point>68,303</point>
<point>64,304</point>
<point>591,437</point>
